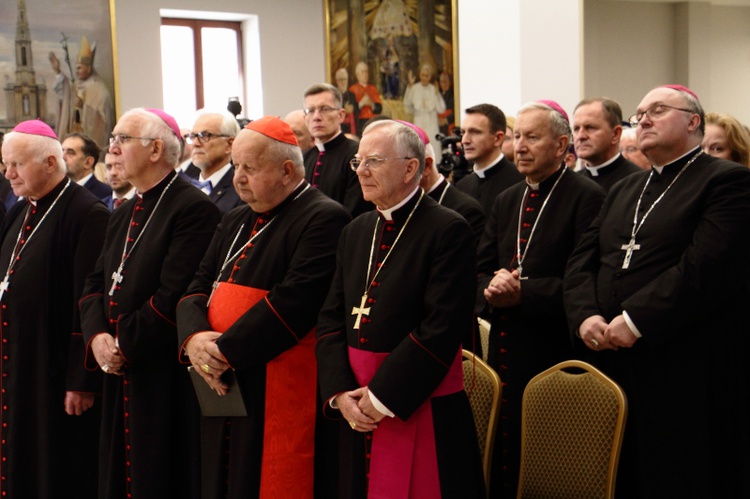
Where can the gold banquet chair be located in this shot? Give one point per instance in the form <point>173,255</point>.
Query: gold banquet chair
<point>483,387</point>
<point>572,428</point>
<point>484,336</point>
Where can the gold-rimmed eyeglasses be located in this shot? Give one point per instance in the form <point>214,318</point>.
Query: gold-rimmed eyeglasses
<point>371,163</point>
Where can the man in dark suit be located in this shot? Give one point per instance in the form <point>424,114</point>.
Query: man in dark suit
<point>212,137</point>
<point>483,132</point>
<point>596,136</point>
<point>81,155</point>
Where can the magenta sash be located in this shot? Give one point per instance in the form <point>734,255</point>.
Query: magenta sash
<point>403,463</point>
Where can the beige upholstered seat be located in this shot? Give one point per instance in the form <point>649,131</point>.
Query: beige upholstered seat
<point>483,387</point>
<point>572,427</point>
<point>484,337</point>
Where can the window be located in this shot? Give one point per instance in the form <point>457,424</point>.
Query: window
<point>201,65</point>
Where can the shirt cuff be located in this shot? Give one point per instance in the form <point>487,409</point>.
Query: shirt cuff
<point>377,404</point>
<point>631,325</point>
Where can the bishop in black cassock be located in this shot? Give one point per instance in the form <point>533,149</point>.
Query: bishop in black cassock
<point>49,244</point>
<point>390,332</point>
<point>153,246</point>
<point>662,277</point>
<point>281,249</point>
<point>529,330</point>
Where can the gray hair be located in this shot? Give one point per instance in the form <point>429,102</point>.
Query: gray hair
<point>277,152</point>
<point>156,128</point>
<point>557,123</point>
<point>41,147</point>
<point>408,144</point>
<point>228,126</point>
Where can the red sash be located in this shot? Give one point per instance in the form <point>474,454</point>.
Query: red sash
<point>289,430</point>
<point>403,463</point>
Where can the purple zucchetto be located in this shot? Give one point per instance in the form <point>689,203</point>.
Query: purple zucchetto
<point>35,127</point>
<point>557,107</point>
<point>168,119</point>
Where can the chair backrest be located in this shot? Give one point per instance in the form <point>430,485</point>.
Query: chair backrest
<point>484,337</point>
<point>572,427</point>
<point>483,387</point>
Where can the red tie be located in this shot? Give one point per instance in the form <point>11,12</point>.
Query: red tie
<point>118,202</point>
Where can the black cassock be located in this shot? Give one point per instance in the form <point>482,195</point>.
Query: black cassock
<point>420,310</point>
<point>499,177</point>
<point>609,175</point>
<point>150,415</point>
<point>686,290</point>
<point>463,204</point>
<point>526,339</point>
<point>46,453</point>
<point>329,171</point>
<point>293,258</point>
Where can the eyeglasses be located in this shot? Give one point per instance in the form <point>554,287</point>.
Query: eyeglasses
<point>120,138</point>
<point>321,110</point>
<point>370,163</point>
<point>654,113</point>
<point>192,138</point>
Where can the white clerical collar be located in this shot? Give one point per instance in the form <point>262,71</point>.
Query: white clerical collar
<point>85,179</point>
<point>436,184</point>
<point>660,168</point>
<point>594,170</point>
<point>321,146</point>
<point>482,171</point>
<point>388,213</point>
<point>128,195</point>
<point>217,176</point>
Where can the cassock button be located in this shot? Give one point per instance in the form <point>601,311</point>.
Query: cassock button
<point>503,350</point>
<point>243,256</point>
<point>371,300</point>
<point>503,333</point>
<point>5,324</point>
<point>529,209</point>
<point>363,340</point>
<point>5,357</point>
<point>384,246</point>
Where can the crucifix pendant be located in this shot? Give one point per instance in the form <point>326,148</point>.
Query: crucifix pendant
<point>4,286</point>
<point>520,273</point>
<point>213,290</point>
<point>629,249</point>
<point>360,311</point>
<point>116,279</point>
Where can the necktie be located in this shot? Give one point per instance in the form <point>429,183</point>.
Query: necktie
<point>204,186</point>
<point>118,202</point>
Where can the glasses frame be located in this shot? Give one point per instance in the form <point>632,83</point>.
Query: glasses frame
<point>310,111</point>
<point>119,139</point>
<point>203,137</point>
<point>635,120</point>
<point>355,162</point>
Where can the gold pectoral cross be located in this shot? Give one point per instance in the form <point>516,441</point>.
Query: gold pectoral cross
<point>360,311</point>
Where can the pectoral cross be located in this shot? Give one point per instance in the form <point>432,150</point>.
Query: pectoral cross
<point>4,286</point>
<point>360,311</point>
<point>520,274</point>
<point>629,248</point>
<point>213,290</point>
<point>116,279</point>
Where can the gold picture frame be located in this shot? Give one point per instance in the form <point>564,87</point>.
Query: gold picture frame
<point>40,78</point>
<point>417,31</point>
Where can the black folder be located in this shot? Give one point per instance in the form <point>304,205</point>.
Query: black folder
<point>215,405</point>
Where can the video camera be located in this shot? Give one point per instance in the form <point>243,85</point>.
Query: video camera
<point>453,159</point>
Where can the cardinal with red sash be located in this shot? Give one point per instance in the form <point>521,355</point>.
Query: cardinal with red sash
<point>251,308</point>
<point>390,332</point>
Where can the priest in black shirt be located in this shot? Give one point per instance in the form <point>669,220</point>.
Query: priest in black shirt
<point>658,291</point>
<point>153,246</point>
<point>49,244</point>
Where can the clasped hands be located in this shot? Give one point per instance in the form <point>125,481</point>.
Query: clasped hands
<point>107,354</point>
<point>598,335</point>
<point>504,289</point>
<point>357,408</point>
<point>207,359</point>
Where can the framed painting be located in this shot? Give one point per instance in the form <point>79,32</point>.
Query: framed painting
<point>57,64</point>
<point>396,58</point>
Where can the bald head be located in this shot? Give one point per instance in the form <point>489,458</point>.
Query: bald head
<point>296,120</point>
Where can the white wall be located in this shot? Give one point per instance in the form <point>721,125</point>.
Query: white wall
<point>291,43</point>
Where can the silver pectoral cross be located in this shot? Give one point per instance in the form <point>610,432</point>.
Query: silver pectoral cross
<point>116,279</point>
<point>629,249</point>
<point>360,311</point>
<point>4,286</point>
<point>213,290</point>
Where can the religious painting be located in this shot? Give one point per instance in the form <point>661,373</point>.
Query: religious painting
<point>57,65</point>
<point>396,58</point>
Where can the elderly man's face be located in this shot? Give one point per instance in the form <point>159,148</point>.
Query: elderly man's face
<point>325,116</point>
<point>258,181</point>
<point>216,152</point>
<point>384,182</point>
<point>27,176</point>
<point>593,137</point>
<point>538,151</point>
<point>631,152</point>
<point>83,71</point>
<point>669,133</point>
<point>132,155</point>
